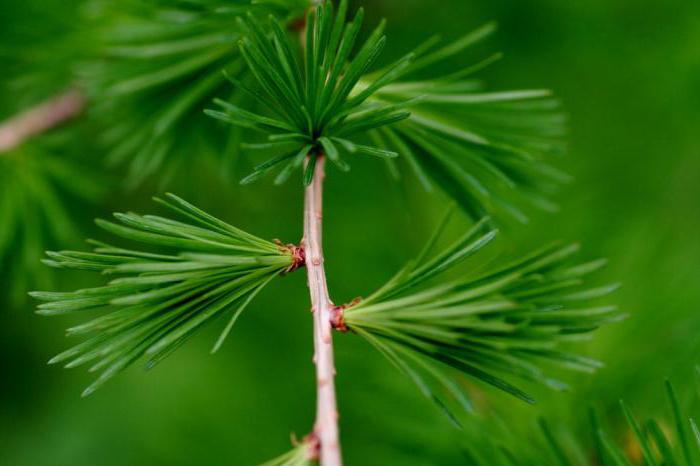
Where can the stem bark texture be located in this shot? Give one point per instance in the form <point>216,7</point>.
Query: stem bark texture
<point>326,426</point>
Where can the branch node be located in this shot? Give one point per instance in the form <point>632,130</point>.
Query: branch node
<point>313,447</point>
<point>338,315</point>
<point>298,255</point>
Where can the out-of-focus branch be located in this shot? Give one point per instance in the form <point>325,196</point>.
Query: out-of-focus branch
<point>43,117</point>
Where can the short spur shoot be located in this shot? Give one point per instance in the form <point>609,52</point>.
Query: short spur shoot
<point>501,324</point>
<point>190,273</point>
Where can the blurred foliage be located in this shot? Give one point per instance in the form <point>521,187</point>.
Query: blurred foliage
<point>41,45</point>
<point>34,180</point>
<point>628,73</point>
<point>158,64</point>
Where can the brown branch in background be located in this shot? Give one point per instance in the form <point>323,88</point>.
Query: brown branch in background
<point>36,120</point>
<point>326,426</point>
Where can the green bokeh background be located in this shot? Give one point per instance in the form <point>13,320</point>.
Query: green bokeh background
<point>628,72</point>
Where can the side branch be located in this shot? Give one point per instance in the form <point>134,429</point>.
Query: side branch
<point>43,117</point>
<point>326,426</point>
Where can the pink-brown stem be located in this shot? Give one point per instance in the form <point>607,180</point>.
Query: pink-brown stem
<point>41,118</point>
<point>326,426</point>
